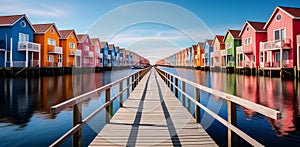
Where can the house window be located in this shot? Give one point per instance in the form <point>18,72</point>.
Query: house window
<point>247,29</point>
<point>216,48</point>
<point>248,41</point>
<point>51,42</point>
<point>278,17</point>
<point>23,24</point>
<point>50,58</point>
<point>253,58</point>
<point>261,57</point>
<point>23,37</point>
<point>72,45</point>
<point>87,40</point>
<point>7,56</point>
<point>59,58</point>
<point>229,45</point>
<point>279,34</point>
<point>285,55</point>
<point>277,57</point>
<point>85,60</point>
<point>72,36</point>
<point>52,31</point>
<point>86,48</point>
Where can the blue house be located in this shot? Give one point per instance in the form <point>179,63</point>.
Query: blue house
<point>207,50</point>
<point>104,51</point>
<point>111,52</point>
<point>16,42</point>
<point>117,56</point>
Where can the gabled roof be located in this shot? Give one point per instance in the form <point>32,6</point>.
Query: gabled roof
<point>256,26</point>
<point>201,45</point>
<point>65,34</point>
<point>82,37</point>
<point>103,44</point>
<point>294,13</point>
<point>95,40</point>
<point>10,20</point>
<point>43,28</point>
<point>110,46</point>
<point>116,47</point>
<point>234,34</point>
<point>209,42</point>
<point>219,38</point>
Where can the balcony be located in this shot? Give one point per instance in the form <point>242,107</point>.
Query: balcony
<point>72,52</point>
<point>54,49</point>
<point>248,49</point>
<point>78,52</point>
<point>88,54</point>
<point>278,44</point>
<point>99,55</point>
<point>212,54</point>
<point>108,57</point>
<point>29,46</point>
<point>223,52</point>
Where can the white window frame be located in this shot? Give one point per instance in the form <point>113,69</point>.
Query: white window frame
<point>23,37</point>
<point>50,58</point>
<point>280,34</point>
<point>51,41</point>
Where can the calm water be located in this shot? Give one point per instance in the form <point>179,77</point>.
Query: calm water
<point>25,106</point>
<point>282,95</point>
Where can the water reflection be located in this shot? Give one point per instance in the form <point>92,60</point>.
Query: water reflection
<point>275,93</point>
<point>20,98</point>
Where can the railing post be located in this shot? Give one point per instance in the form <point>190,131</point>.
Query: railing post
<point>197,109</point>
<point>132,82</point>
<point>128,89</point>
<point>176,90</point>
<point>171,84</point>
<point>107,99</point>
<point>121,96</point>
<point>77,118</point>
<point>165,77</point>
<point>182,95</point>
<point>232,117</point>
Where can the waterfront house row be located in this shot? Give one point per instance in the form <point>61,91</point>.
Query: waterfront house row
<point>23,44</point>
<point>274,44</point>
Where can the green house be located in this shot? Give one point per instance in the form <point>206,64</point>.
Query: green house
<point>231,40</point>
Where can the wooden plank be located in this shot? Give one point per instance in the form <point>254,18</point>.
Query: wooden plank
<point>153,118</point>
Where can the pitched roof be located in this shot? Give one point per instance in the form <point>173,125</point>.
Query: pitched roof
<point>201,45</point>
<point>220,38</point>
<point>103,44</point>
<point>42,28</point>
<point>209,42</point>
<point>65,33</point>
<point>293,12</point>
<point>9,20</point>
<point>95,40</point>
<point>110,46</point>
<point>256,26</point>
<point>82,37</point>
<point>235,33</point>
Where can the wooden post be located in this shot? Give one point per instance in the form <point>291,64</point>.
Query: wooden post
<point>176,90</point>
<point>166,78</point>
<point>197,109</point>
<point>77,118</point>
<point>107,99</point>
<point>121,96</point>
<point>232,117</point>
<point>128,89</point>
<point>132,82</point>
<point>182,95</point>
<point>171,84</point>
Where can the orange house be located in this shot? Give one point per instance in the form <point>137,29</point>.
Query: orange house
<point>48,36</point>
<point>68,42</point>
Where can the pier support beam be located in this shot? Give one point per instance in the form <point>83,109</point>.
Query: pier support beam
<point>108,110</point>
<point>77,119</point>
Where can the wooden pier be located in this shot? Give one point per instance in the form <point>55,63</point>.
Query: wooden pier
<point>152,116</point>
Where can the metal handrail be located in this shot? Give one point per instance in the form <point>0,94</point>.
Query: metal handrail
<point>274,114</point>
<point>76,101</point>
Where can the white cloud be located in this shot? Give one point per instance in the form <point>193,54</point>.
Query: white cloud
<point>32,8</point>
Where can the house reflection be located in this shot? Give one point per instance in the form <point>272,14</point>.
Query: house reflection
<point>20,98</point>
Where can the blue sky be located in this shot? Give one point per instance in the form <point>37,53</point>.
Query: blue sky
<point>155,38</point>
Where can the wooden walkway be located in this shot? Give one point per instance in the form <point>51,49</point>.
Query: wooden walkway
<point>152,116</point>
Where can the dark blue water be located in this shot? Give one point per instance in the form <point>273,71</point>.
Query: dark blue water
<point>25,103</point>
<point>282,95</point>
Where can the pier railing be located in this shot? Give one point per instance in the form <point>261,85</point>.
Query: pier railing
<point>232,101</point>
<point>77,101</point>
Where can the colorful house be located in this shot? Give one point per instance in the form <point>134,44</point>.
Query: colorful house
<point>48,36</point>
<point>111,52</point>
<point>198,54</point>
<point>84,44</point>
<point>129,58</point>
<point>117,56</point>
<point>231,40</point>
<point>206,55</point>
<point>248,54</point>
<point>106,56</point>
<point>98,56</point>
<point>279,51</point>
<point>123,57</point>
<point>218,51</point>
<point>68,42</point>
<point>16,42</point>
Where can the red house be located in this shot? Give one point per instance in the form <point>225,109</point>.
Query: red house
<point>248,54</point>
<point>98,56</point>
<point>84,44</point>
<point>279,51</point>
